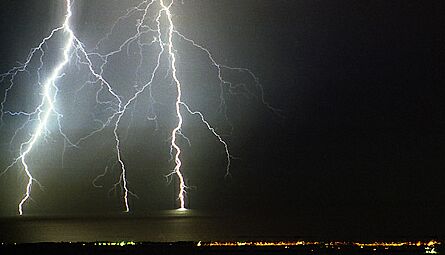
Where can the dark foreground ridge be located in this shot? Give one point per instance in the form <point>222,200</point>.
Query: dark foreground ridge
<point>284,247</point>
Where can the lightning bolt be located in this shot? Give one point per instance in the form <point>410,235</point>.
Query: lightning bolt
<point>123,108</point>
<point>177,129</point>
<point>164,34</point>
<point>180,103</point>
<point>47,106</point>
<point>165,41</point>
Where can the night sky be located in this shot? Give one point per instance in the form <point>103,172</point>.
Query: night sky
<point>358,143</point>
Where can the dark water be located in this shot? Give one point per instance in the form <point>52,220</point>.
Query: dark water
<point>192,225</point>
<point>163,226</point>
<point>161,233</point>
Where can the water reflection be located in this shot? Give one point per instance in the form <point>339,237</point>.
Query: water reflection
<point>160,226</point>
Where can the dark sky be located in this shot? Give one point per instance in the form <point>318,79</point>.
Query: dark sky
<point>359,84</point>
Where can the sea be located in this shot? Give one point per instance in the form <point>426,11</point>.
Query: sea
<point>183,231</point>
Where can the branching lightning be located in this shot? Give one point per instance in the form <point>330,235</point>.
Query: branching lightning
<point>42,113</point>
<point>178,101</point>
<point>176,132</point>
<point>156,20</point>
<point>46,106</point>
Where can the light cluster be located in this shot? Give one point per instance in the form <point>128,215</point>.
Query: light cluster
<point>431,244</point>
